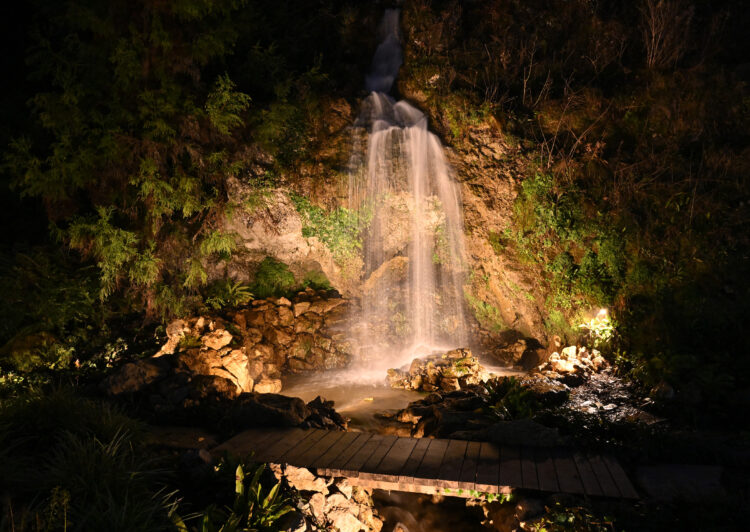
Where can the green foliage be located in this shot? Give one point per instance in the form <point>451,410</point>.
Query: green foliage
<point>508,399</point>
<point>254,508</point>
<point>552,229</point>
<point>129,139</point>
<point>273,278</point>
<point>562,518</point>
<point>486,314</point>
<point>339,229</point>
<point>317,280</point>
<point>501,498</point>
<point>228,293</point>
<point>224,105</point>
<point>74,464</point>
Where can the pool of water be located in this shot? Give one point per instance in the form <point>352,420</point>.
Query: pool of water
<point>357,395</point>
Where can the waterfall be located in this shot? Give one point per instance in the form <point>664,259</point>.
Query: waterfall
<point>412,300</point>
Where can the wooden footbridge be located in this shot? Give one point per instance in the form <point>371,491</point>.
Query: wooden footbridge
<point>426,465</point>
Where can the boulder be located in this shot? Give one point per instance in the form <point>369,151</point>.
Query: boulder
<point>176,331</point>
<point>268,385</point>
<point>301,307</point>
<point>343,521</point>
<point>204,387</point>
<point>270,409</point>
<point>134,376</point>
<point>286,317</point>
<point>302,479</point>
<point>216,339</point>
<point>236,363</point>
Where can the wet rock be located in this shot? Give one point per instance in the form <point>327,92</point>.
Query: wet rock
<point>286,317</point>
<point>528,508</point>
<point>453,370</point>
<point>549,392</point>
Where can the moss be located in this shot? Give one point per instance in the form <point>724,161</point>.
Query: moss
<point>485,313</point>
<point>317,280</point>
<point>339,229</point>
<point>272,279</point>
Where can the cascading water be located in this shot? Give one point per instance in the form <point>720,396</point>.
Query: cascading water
<point>412,296</point>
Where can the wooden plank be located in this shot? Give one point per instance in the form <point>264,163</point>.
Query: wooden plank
<point>320,447</point>
<point>453,459</point>
<point>414,460</point>
<point>395,459</point>
<point>355,463</point>
<point>529,477</point>
<point>590,484</point>
<point>567,472</point>
<point>336,465</point>
<point>488,469</point>
<point>430,467</point>
<point>510,467</point>
<point>621,479</point>
<point>292,456</point>
<point>609,488</point>
<point>373,462</point>
<point>288,441</point>
<point>545,469</point>
<point>336,449</point>
<point>467,478</point>
<point>247,442</point>
<point>268,442</point>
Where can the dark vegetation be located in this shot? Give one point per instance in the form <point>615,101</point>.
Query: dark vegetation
<point>633,118</point>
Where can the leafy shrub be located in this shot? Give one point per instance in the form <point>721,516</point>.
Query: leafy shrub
<point>273,278</point>
<point>75,464</point>
<point>508,399</point>
<point>254,508</point>
<point>338,229</point>
<point>228,293</point>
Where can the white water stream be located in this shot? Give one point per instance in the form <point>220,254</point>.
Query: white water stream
<point>412,302</point>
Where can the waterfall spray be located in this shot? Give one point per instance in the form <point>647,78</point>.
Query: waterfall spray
<point>412,292</point>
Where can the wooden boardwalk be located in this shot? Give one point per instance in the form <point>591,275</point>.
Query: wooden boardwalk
<point>426,465</point>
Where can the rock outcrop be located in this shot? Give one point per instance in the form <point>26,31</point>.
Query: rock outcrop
<point>251,351</point>
<point>454,370</point>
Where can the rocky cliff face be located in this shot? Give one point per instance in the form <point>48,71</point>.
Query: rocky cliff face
<point>500,290</point>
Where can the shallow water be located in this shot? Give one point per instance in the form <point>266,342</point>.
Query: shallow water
<point>352,398</point>
<point>360,397</point>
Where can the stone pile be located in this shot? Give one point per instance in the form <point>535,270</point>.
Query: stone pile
<point>333,503</point>
<point>216,356</point>
<point>573,365</point>
<point>454,370</point>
